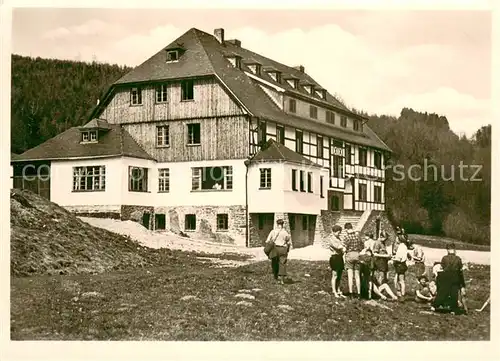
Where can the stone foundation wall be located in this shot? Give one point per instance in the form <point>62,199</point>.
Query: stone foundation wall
<point>385,225</point>
<point>97,211</point>
<point>324,223</point>
<point>206,222</point>
<point>136,213</point>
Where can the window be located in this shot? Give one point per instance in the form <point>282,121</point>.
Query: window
<point>304,223</point>
<point>355,124</point>
<point>377,194</point>
<point>160,221</point>
<point>298,142</point>
<point>261,132</point>
<point>90,136</point>
<point>93,135</point>
<point>161,93</point>
<point>190,222</point>
<point>337,166</point>
<point>362,157</point>
<point>313,112</point>
<point>85,137</point>
<point>280,134</point>
<point>138,179</point>
<point>91,178</point>
<point>164,180</point>
<point>187,90</point>
<point>302,181</point>
<point>265,178</point>
<point>194,137</point>
<point>292,105</point>
<point>162,136</point>
<point>348,159</point>
<point>335,203</point>
<point>321,194</point>
<point>294,179</point>
<point>216,178</point>
<point>343,121</point>
<point>309,182</point>
<point>136,96</point>
<point>319,147</point>
<point>330,117</point>
<point>222,222</point>
<point>362,192</point>
<point>378,160</point>
<point>172,55</point>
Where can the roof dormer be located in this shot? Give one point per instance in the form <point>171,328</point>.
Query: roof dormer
<point>309,87</point>
<point>274,73</point>
<point>234,59</point>
<point>90,132</point>
<point>254,66</point>
<point>293,81</point>
<point>173,53</point>
<point>320,92</point>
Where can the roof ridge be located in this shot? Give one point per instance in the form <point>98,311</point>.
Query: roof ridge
<point>200,42</point>
<point>279,150</point>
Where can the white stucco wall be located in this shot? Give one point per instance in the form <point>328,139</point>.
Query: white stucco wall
<point>266,200</point>
<point>61,183</point>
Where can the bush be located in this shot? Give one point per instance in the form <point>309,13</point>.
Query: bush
<point>459,226</point>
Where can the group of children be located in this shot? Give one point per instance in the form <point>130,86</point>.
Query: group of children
<point>367,263</point>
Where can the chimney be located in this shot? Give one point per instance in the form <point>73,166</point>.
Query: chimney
<point>235,42</point>
<point>300,68</point>
<point>219,34</point>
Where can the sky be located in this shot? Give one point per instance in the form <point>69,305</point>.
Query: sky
<point>377,61</point>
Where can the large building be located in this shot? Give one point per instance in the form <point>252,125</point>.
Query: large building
<point>211,138</point>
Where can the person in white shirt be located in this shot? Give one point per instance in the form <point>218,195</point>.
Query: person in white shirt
<point>400,268</point>
<point>369,243</point>
<point>337,250</point>
<point>279,253</point>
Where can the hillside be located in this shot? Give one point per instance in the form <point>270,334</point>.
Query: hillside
<point>47,239</point>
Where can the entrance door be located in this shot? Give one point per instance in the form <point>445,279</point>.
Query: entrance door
<point>335,201</point>
<point>145,219</point>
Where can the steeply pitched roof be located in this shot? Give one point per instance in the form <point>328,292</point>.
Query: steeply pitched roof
<point>205,56</point>
<point>97,123</point>
<point>273,151</point>
<point>115,142</point>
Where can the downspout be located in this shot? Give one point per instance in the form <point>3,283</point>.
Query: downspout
<point>247,228</point>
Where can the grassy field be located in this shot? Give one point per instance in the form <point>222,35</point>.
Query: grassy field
<point>147,304</point>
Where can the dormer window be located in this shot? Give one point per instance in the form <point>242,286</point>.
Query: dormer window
<point>275,75</point>
<point>254,66</point>
<point>89,136</point>
<point>293,82</point>
<point>172,56</point>
<point>321,93</point>
<point>309,88</point>
<point>235,60</point>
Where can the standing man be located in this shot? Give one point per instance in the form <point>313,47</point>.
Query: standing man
<point>337,249</point>
<point>280,239</point>
<point>452,278</point>
<point>354,245</point>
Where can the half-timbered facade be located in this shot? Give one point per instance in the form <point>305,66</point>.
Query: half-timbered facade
<point>211,138</point>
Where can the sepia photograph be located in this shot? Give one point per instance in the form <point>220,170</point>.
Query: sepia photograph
<point>250,174</point>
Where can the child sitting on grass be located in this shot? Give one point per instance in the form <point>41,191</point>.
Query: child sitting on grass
<point>424,293</point>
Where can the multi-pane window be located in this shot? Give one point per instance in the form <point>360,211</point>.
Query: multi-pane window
<point>91,178</point>
<point>93,135</point>
<point>85,137</point>
<point>343,121</point>
<point>89,136</point>
<point>162,136</point>
<point>355,125</point>
<point>190,222</point>
<point>138,179</point>
<point>187,90</point>
<point>330,117</point>
<point>222,222</point>
<point>298,142</point>
<point>292,105</point>
<point>194,134</point>
<point>294,179</point>
<point>377,194</point>
<point>302,181</point>
<point>280,134</point>
<point>348,159</point>
<point>218,178</point>
<point>319,148</point>
<point>136,96</point>
<point>164,180</point>
<point>313,112</point>
<point>321,194</point>
<point>265,178</point>
<point>161,93</point>
<point>377,157</point>
<point>309,182</point>
<point>363,155</point>
<point>337,166</point>
<point>362,192</point>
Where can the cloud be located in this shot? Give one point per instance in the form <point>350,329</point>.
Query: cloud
<point>91,27</point>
